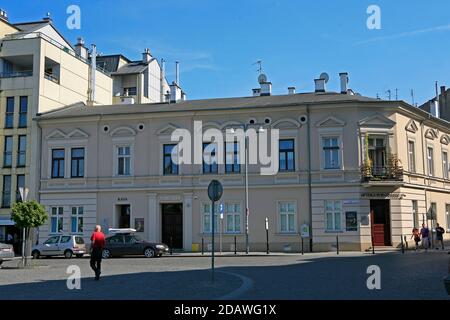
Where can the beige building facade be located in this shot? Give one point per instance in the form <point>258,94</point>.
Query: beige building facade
<point>358,170</point>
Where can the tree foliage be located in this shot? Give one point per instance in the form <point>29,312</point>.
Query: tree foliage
<point>30,214</point>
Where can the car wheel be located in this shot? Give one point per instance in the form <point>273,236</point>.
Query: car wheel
<point>160,255</point>
<point>1,261</point>
<point>149,253</point>
<point>80,255</point>
<point>36,254</point>
<point>106,254</point>
<point>68,254</point>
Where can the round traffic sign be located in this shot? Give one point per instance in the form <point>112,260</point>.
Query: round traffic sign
<point>215,190</point>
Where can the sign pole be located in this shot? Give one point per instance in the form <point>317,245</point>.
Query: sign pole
<point>215,191</point>
<point>212,241</point>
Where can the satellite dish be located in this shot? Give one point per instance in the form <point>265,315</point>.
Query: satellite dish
<point>325,76</point>
<point>262,78</point>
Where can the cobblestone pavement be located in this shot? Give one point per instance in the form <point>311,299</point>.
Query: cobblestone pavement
<point>414,275</point>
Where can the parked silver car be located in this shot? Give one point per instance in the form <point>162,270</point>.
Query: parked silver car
<point>63,245</point>
<point>6,252</point>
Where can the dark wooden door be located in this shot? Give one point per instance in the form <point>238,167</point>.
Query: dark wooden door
<point>380,219</point>
<point>172,225</point>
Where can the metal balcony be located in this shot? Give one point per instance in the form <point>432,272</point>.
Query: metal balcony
<point>384,173</point>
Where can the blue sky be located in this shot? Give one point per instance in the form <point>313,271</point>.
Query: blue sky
<point>217,41</point>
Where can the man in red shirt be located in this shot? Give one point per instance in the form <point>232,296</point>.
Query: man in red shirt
<point>97,245</point>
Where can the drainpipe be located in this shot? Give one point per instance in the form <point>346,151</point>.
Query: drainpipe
<point>309,180</point>
<point>424,157</point>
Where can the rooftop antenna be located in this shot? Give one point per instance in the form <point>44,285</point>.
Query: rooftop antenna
<point>412,97</point>
<point>389,94</point>
<point>396,94</point>
<point>259,63</point>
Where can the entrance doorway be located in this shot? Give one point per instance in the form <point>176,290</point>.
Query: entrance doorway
<point>123,214</point>
<point>380,219</point>
<point>172,224</point>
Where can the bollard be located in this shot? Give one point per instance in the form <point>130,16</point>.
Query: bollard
<point>203,246</point>
<point>267,241</point>
<point>406,243</point>
<point>403,246</point>
<point>171,245</point>
<point>302,247</point>
<point>235,243</point>
<point>373,247</point>
<point>337,245</point>
<point>310,244</point>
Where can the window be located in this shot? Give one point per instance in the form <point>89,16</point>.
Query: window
<point>331,153</point>
<point>170,167</point>
<point>286,211</point>
<point>6,194</point>
<point>77,163</point>
<point>210,158</point>
<point>22,151</point>
<point>333,211</point>
<point>207,218</point>
<point>412,156</point>
<point>447,214</point>
<point>57,219</point>
<point>415,212</point>
<point>9,118</point>
<point>377,155</point>
<point>77,220</point>
<point>233,216</point>
<point>65,239</point>
<point>7,155</point>
<point>124,161</point>
<point>445,166</point>
<point>287,162</point>
<point>20,184</point>
<point>52,240</point>
<point>58,156</point>
<point>232,158</point>
<point>430,156</point>
<point>433,214</point>
<point>130,91</point>
<point>23,111</point>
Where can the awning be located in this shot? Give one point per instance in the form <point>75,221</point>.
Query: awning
<point>6,222</point>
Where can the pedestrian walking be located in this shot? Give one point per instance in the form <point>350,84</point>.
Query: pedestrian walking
<point>416,236</point>
<point>97,245</point>
<point>425,235</point>
<point>439,236</point>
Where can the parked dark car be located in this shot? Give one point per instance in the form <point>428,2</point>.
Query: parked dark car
<point>6,252</point>
<point>132,245</point>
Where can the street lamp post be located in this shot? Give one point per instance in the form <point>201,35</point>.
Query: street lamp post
<point>23,195</point>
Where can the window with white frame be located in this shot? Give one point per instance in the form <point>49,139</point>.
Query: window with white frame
<point>206,213</point>
<point>123,160</point>
<point>412,156</point>
<point>430,157</point>
<point>287,211</point>
<point>233,216</point>
<point>333,214</point>
<point>77,220</point>
<point>445,167</point>
<point>415,212</point>
<point>57,220</point>
<point>331,156</point>
<point>447,214</point>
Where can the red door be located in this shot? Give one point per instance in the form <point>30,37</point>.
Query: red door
<point>380,220</point>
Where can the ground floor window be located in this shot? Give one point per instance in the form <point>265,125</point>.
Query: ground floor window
<point>333,210</point>
<point>447,214</point>
<point>57,220</point>
<point>207,217</point>
<point>415,212</point>
<point>233,216</point>
<point>287,212</point>
<point>77,220</point>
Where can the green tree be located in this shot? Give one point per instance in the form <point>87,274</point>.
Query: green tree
<point>28,215</point>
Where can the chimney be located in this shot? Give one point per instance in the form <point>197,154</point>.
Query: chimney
<point>266,88</point>
<point>177,72</point>
<point>320,85</point>
<point>146,56</point>
<point>256,92</point>
<point>344,82</point>
<point>175,93</point>
<point>48,18</point>
<point>80,49</point>
<point>291,90</point>
<point>3,15</point>
<point>91,98</point>
<point>162,78</point>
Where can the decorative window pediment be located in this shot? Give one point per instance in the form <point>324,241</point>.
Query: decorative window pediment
<point>77,134</point>
<point>376,121</point>
<point>330,122</point>
<point>123,132</point>
<point>431,134</point>
<point>286,124</point>
<point>210,125</point>
<point>412,126</point>
<point>445,139</point>
<point>167,130</point>
<point>56,135</point>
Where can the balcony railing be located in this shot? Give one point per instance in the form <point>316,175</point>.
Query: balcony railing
<point>51,77</point>
<point>384,173</point>
<point>16,74</point>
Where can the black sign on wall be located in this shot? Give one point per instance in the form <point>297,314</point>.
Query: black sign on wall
<point>351,221</point>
